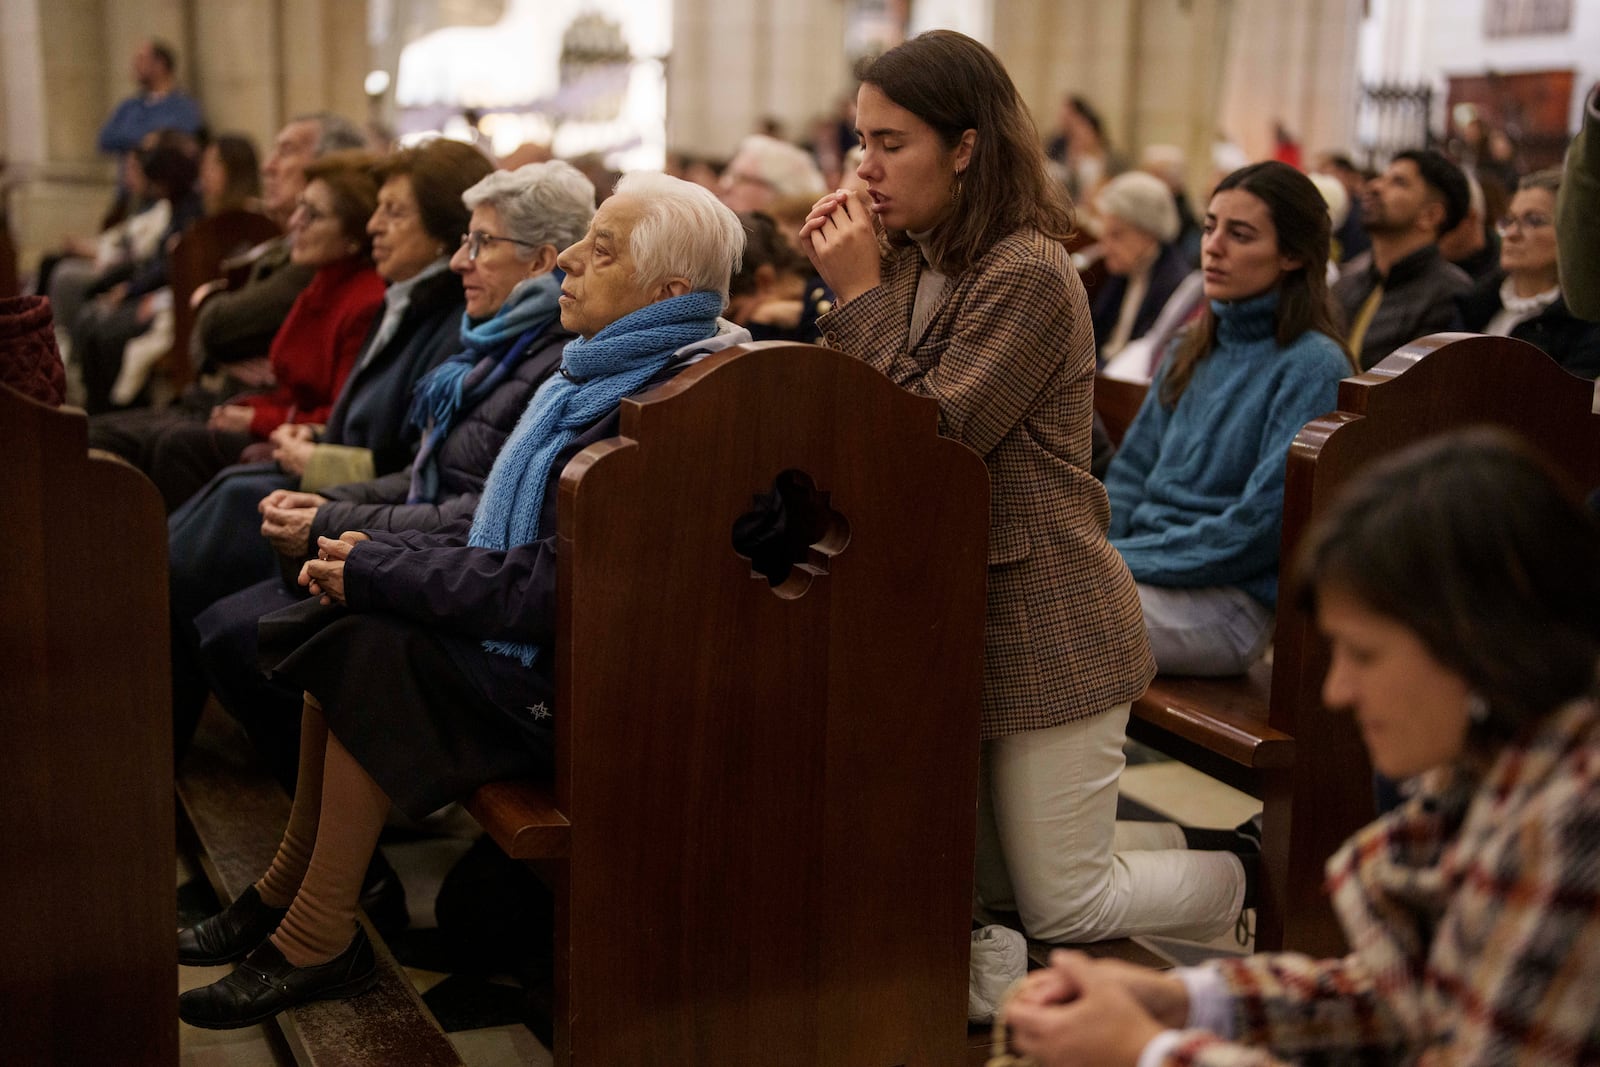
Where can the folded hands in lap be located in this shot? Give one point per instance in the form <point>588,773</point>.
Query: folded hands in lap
<point>1081,1011</point>
<point>324,576</point>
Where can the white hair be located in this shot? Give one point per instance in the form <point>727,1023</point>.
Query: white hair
<point>1142,201</point>
<point>787,169</point>
<point>683,231</point>
<point>541,203</point>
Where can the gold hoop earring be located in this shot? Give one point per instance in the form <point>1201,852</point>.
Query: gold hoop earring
<point>955,191</point>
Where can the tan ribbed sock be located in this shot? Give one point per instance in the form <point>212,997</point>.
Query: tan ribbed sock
<point>278,886</point>
<point>322,919</point>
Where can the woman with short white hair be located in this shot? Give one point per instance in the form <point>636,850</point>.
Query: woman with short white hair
<point>506,343</point>
<point>1139,228</point>
<point>427,663</point>
<point>766,170</point>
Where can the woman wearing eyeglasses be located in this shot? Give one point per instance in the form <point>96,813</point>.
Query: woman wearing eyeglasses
<point>1523,299</point>
<point>509,342</point>
<point>338,412</point>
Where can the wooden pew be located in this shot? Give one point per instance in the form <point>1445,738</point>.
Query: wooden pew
<point>200,256</point>
<point>761,829</point>
<point>87,953</point>
<point>1116,402</point>
<point>1269,733</point>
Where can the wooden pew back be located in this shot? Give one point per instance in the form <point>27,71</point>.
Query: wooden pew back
<point>1434,384</point>
<point>87,953</point>
<point>771,791</point>
<point>1269,733</point>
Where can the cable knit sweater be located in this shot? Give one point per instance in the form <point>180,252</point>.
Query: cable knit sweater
<point>1197,491</point>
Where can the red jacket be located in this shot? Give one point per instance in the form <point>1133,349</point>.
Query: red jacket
<point>317,345</point>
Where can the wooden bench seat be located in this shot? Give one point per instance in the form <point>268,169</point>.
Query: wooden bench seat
<point>1223,724</point>
<point>523,819</point>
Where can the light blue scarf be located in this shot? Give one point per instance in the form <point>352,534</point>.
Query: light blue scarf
<point>491,352</point>
<point>595,375</point>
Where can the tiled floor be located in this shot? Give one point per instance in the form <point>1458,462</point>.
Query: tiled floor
<point>482,1016</point>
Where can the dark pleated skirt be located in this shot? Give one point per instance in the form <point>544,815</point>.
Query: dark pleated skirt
<point>429,715</point>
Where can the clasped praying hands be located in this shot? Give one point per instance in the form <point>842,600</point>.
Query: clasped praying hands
<point>324,576</point>
<point>841,239</point>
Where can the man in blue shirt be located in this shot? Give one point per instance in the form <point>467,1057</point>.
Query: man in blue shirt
<point>158,105</point>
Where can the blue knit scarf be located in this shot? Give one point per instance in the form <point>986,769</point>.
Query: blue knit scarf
<point>595,375</point>
<point>492,350</point>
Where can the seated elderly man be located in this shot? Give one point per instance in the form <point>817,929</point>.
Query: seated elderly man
<point>426,659</point>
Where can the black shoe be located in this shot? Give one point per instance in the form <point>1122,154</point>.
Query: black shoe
<point>231,933</point>
<point>266,983</point>
<point>383,897</point>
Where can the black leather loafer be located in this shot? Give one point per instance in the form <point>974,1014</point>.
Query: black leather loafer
<point>266,983</point>
<point>229,934</point>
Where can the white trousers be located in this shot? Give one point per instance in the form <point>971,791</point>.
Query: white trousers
<point>1051,849</point>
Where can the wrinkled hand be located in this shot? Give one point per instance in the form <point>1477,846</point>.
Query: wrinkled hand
<point>1102,1024</point>
<point>841,239</point>
<point>231,417</point>
<point>294,456</point>
<point>286,518</point>
<point>324,576</point>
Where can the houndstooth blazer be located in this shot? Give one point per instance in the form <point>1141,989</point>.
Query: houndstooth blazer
<point>1009,355</point>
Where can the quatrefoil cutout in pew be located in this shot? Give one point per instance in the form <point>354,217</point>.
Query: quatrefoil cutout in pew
<point>790,534</point>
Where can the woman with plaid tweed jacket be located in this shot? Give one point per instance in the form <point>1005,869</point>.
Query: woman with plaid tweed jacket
<point>1459,587</point>
<point>951,278</point>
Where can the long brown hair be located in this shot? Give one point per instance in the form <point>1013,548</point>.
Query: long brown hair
<point>1300,218</point>
<point>955,84</point>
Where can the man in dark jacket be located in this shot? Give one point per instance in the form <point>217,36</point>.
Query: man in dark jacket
<point>1403,288</point>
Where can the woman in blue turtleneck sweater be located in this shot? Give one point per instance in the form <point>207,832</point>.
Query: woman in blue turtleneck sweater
<point>1196,489</point>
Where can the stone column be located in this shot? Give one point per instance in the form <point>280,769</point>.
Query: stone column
<point>735,61</point>
<point>59,75</point>
<point>1295,62</point>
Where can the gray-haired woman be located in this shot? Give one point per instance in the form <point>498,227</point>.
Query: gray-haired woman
<point>427,669</point>
<point>510,341</point>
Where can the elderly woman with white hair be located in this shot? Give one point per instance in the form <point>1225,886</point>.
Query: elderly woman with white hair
<point>425,659</point>
<point>766,171</point>
<point>506,343</point>
<point>1139,227</point>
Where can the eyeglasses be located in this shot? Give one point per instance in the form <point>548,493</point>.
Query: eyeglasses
<point>1528,220</point>
<point>312,212</point>
<point>473,242</point>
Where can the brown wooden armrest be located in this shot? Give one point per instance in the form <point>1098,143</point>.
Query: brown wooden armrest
<point>523,819</point>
